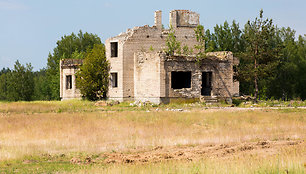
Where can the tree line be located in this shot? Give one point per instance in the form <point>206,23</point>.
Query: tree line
<point>272,60</point>
<point>272,63</point>
<point>23,84</point>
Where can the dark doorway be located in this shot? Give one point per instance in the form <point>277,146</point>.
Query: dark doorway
<point>180,79</point>
<point>206,83</point>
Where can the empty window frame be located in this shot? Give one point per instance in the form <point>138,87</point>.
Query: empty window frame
<point>114,49</point>
<point>114,80</point>
<point>235,73</point>
<point>69,82</point>
<point>180,79</point>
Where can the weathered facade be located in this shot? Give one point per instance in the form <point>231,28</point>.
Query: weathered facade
<point>120,50</point>
<point>141,71</point>
<point>68,68</point>
<point>161,78</point>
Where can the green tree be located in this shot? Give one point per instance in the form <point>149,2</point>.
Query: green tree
<point>3,85</point>
<point>282,86</point>
<point>200,36</point>
<point>4,71</point>
<point>210,41</point>
<point>238,42</point>
<point>71,46</point>
<point>262,52</point>
<point>223,36</point>
<point>20,83</point>
<point>93,76</point>
<point>173,45</point>
<point>41,87</point>
<point>301,64</point>
<point>272,55</point>
<point>4,76</point>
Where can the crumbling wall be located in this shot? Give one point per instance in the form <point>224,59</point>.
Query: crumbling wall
<point>153,76</point>
<point>148,77</point>
<point>69,67</point>
<point>133,76</point>
<point>140,39</point>
<point>219,63</point>
<point>184,18</point>
<point>180,64</point>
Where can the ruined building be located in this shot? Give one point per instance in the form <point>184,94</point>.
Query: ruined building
<point>141,71</point>
<point>68,68</point>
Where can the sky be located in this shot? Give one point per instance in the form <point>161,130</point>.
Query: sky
<point>29,29</point>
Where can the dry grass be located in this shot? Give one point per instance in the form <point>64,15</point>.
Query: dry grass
<point>46,107</point>
<point>55,128</point>
<point>285,162</point>
<point>24,133</point>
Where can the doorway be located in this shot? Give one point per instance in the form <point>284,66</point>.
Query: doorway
<point>206,83</point>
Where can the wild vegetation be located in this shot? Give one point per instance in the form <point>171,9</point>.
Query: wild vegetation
<point>45,82</point>
<point>79,137</point>
<point>272,61</point>
<point>92,78</point>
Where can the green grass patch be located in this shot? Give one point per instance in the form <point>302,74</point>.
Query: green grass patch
<point>41,164</point>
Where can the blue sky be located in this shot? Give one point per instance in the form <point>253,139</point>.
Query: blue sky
<point>29,29</point>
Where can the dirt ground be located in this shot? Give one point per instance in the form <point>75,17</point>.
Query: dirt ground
<point>197,152</point>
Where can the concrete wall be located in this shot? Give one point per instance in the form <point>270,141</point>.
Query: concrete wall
<point>152,76</point>
<point>222,76</point>
<point>116,66</point>
<point>140,39</point>
<point>65,93</point>
<point>184,18</point>
<point>148,79</point>
<point>223,81</point>
<point>180,64</point>
<point>145,73</point>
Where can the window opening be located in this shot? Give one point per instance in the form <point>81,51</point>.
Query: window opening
<point>69,82</point>
<point>180,79</point>
<point>114,80</point>
<point>114,49</point>
<point>235,72</point>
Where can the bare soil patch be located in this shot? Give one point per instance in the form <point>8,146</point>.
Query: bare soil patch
<point>196,152</point>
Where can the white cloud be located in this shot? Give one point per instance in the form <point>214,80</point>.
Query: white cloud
<point>12,5</point>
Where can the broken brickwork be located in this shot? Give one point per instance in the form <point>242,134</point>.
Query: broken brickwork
<point>140,70</point>
<point>154,73</point>
<point>142,39</point>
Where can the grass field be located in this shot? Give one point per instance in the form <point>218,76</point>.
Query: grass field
<point>79,137</point>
